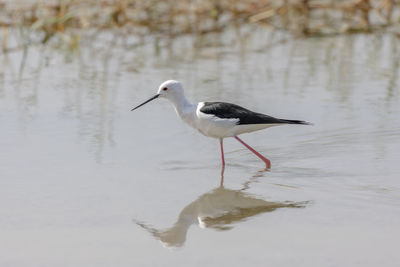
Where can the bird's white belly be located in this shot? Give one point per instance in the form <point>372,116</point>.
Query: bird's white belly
<point>215,127</point>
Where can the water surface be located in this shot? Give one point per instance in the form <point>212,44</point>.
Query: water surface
<point>86,182</point>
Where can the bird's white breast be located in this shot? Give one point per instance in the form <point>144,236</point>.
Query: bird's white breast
<point>213,126</point>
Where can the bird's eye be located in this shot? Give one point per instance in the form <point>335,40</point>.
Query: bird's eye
<point>165,88</point>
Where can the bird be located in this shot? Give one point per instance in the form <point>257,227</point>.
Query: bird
<point>218,119</point>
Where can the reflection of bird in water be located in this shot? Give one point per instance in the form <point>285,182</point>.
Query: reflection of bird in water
<point>217,209</point>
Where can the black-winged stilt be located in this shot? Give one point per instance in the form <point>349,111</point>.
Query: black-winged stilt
<point>218,119</point>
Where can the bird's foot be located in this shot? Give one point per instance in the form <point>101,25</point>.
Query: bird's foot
<point>267,164</point>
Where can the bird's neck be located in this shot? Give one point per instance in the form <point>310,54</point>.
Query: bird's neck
<point>181,104</point>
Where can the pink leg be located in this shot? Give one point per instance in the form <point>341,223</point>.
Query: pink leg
<point>222,151</point>
<point>223,161</point>
<point>267,162</point>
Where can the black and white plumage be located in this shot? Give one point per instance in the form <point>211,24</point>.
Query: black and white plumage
<point>225,110</point>
<point>218,119</point>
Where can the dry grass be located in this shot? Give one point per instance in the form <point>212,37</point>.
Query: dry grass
<point>173,18</point>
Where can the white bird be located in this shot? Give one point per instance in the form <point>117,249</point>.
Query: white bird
<point>218,119</point>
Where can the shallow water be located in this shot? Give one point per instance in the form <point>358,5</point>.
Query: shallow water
<point>86,182</point>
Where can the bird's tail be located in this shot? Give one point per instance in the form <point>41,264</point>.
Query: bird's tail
<point>296,122</point>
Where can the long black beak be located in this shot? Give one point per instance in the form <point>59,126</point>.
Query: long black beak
<point>147,101</point>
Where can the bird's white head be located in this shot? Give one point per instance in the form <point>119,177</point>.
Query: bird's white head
<point>172,90</point>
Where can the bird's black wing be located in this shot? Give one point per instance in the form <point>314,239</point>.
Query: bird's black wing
<point>231,111</point>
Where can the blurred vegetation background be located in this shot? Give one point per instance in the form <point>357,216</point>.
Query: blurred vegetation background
<point>66,19</point>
